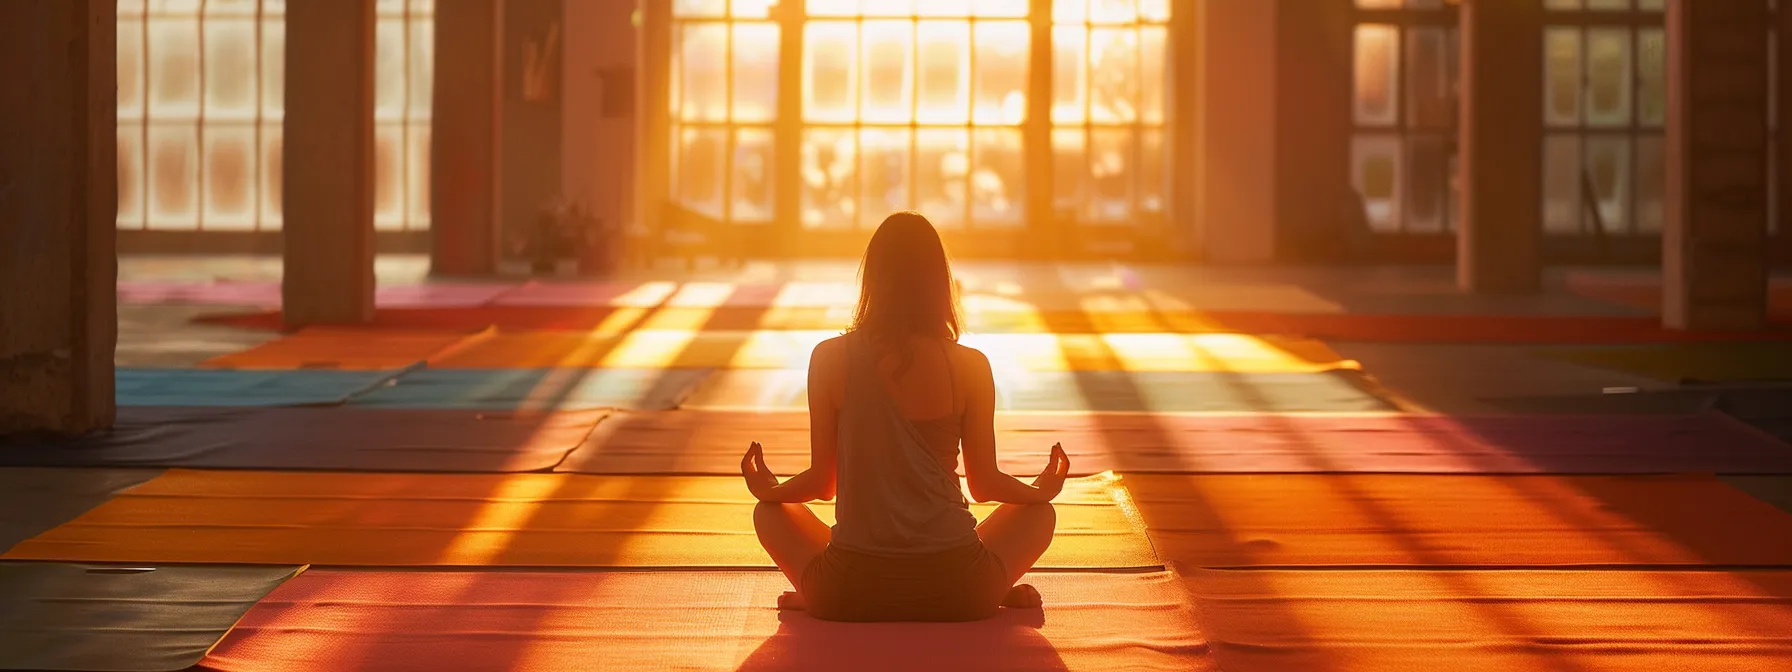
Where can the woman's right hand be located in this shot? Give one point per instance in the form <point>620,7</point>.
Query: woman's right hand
<point>1051,481</point>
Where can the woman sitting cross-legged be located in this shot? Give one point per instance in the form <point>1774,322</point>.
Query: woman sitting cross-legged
<point>889,403</point>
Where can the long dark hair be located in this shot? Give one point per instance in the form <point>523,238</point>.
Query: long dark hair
<point>906,287</point>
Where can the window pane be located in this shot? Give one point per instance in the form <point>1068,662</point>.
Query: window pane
<point>229,176</point>
<point>388,177</point>
<point>1651,185</point>
<point>173,176</point>
<point>885,169</point>
<point>753,178</point>
<point>942,165</point>
<point>1608,166</point>
<point>1375,172</point>
<point>272,145</point>
<point>751,9</point>
<point>1113,75</point>
<point>229,77</point>
<point>1377,74</point>
<point>130,68</point>
<point>1001,62</point>
<point>1070,11</point>
<point>173,67</point>
<point>703,72</point>
<point>998,178</point>
<point>1561,184</point>
<point>944,81</point>
<point>1070,169</point>
<point>1427,183</point>
<point>416,171</point>
<point>830,77</point>
<point>130,177</point>
<point>1070,74</point>
<point>1430,78</point>
<point>887,66</point>
<point>755,72</point>
<point>684,8</point>
<point>1156,11</point>
<point>273,68</point>
<point>1112,171</point>
<point>389,70</point>
<point>702,156</point>
<point>999,8</point>
<point>1152,81</point>
<point>1652,79</point>
<point>1113,11</point>
<point>1609,77</point>
<point>1562,76</point>
<point>829,164</point>
<point>421,65</point>
<point>1151,170</point>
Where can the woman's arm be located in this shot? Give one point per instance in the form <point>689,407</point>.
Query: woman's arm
<point>817,482</point>
<point>986,481</point>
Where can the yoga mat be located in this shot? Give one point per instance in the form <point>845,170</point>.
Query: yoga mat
<point>532,390</point>
<point>1090,391</point>
<point>165,336</point>
<point>1441,521</point>
<point>767,349</point>
<point>324,621</point>
<point>251,293</point>
<point>1710,362</point>
<point>36,500</point>
<point>331,348</point>
<point>1496,621</point>
<point>122,618</point>
<point>1775,490</point>
<point>690,441</point>
<point>522,520</point>
<point>331,438</point>
<point>209,387</point>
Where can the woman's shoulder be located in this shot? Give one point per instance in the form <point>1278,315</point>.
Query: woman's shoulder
<point>965,355</point>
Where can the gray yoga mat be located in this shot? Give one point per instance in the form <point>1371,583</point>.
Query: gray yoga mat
<point>36,500</point>
<point>113,618</point>
<point>217,387</point>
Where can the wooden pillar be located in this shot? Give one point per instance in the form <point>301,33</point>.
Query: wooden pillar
<point>1184,64</point>
<point>466,137</point>
<point>1499,244</point>
<point>1312,127</point>
<point>1036,142</point>
<point>787,139</point>
<point>1236,124</point>
<point>652,117</point>
<point>329,176</point>
<point>598,120</point>
<point>58,214</point>
<point>1714,250</point>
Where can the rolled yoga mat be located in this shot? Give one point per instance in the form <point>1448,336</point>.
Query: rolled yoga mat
<point>122,618</point>
<point>1374,520</point>
<point>209,387</point>
<point>1340,391</point>
<point>1495,621</point>
<point>724,621</point>
<point>711,442</point>
<point>329,438</point>
<point>519,520</point>
<point>533,390</point>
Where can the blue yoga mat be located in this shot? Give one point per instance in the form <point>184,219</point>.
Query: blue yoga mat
<point>535,389</point>
<point>217,387</point>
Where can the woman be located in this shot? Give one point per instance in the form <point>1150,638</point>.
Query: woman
<point>889,403</point>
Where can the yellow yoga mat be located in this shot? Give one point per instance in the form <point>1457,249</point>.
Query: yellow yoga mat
<point>1496,621</point>
<point>355,349</point>
<point>1410,519</point>
<point>1713,362</point>
<point>561,520</point>
<point>767,349</point>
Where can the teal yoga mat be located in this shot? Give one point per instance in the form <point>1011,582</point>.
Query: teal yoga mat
<point>112,618</point>
<point>535,389</point>
<point>216,387</point>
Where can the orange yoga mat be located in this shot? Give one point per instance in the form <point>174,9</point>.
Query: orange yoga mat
<point>533,520</point>
<point>331,348</point>
<point>1423,520</point>
<point>769,349</point>
<point>326,621</point>
<point>1496,621</point>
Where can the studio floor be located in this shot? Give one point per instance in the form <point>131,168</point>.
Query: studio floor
<point>1275,469</point>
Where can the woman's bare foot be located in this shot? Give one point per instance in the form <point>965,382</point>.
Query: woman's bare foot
<point>790,601</point>
<point>1023,596</point>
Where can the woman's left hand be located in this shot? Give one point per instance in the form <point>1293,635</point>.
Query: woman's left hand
<point>760,480</point>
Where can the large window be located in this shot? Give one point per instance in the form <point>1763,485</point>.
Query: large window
<point>1604,107</point>
<point>917,104</point>
<point>1403,155</point>
<point>200,103</point>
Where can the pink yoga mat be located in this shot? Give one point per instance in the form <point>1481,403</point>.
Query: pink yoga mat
<point>267,294</point>
<point>430,621</point>
<point>711,442</point>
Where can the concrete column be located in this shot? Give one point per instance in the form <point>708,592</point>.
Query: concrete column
<point>329,176</point>
<point>58,214</point>
<point>1037,141</point>
<point>1714,250</point>
<point>465,137</point>
<point>1236,124</point>
<point>653,51</point>
<point>1312,127</point>
<point>598,120</point>
<point>1499,245</point>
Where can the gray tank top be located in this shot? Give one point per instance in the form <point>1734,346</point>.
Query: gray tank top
<point>894,495</point>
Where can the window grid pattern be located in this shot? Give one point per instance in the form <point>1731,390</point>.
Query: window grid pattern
<point>201,101</point>
<point>1404,107</point>
<point>723,103</point>
<point>1110,84</point>
<point>1604,111</point>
